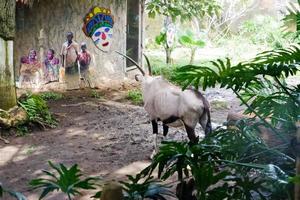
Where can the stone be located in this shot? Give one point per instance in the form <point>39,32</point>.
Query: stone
<point>12,118</point>
<point>112,191</point>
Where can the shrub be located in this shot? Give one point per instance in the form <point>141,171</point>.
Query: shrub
<point>37,110</point>
<point>135,96</point>
<point>95,94</point>
<point>66,180</point>
<point>51,96</point>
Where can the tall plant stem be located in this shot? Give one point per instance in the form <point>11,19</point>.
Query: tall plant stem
<point>260,117</point>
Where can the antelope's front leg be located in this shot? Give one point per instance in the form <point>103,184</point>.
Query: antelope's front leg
<point>155,132</point>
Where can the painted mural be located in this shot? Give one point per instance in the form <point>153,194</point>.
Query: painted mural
<point>73,70</point>
<point>31,72</point>
<point>34,73</point>
<point>69,54</point>
<point>84,61</point>
<point>98,25</point>
<point>51,67</point>
<point>69,62</point>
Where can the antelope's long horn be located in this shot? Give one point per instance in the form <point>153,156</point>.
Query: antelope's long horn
<point>133,62</point>
<point>149,65</point>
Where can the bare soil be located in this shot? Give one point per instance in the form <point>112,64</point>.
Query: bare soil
<point>105,136</point>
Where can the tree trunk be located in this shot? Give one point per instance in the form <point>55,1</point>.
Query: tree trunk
<point>193,53</point>
<point>7,32</point>
<point>168,56</point>
<point>7,84</point>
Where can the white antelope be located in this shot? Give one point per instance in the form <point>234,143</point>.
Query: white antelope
<point>166,102</point>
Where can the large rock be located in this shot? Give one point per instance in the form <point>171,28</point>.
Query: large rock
<point>12,118</point>
<point>112,191</point>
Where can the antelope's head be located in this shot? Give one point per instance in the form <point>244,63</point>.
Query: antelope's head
<point>143,77</point>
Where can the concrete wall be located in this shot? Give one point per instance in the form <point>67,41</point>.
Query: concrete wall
<point>45,24</point>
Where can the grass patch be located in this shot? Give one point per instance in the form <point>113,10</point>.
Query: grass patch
<point>219,105</point>
<point>135,96</point>
<point>95,94</point>
<point>47,96</point>
<point>22,130</point>
<point>160,68</point>
<point>31,149</point>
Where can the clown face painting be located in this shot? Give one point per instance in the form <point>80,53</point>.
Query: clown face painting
<point>102,38</point>
<point>98,25</point>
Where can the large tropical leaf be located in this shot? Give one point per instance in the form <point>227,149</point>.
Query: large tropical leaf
<point>66,180</point>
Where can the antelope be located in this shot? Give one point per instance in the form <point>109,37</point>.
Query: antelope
<point>173,106</point>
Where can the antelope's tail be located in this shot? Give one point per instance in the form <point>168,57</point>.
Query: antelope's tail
<point>208,127</point>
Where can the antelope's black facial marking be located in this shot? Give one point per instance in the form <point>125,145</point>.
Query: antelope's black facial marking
<point>154,127</point>
<point>166,129</point>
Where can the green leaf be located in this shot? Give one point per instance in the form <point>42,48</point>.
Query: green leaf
<point>68,181</point>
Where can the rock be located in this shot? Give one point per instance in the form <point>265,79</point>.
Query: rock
<point>112,191</point>
<point>4,140</point>
<point>12,118</point>
<point>18,116</point>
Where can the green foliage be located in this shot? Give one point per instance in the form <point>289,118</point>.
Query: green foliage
<point>135,189</point>
<point>189,39</point>
<point>292,18</point>
<point>22,130</point>
<point>230,163</point>
<point>182,9</point>
<point>95,94</point>
<point>264,31</point>
<point>161,39</point>
<point>238,164</point>
<point>51,96</point>
<point>66,180</point>
<point>259,84</point>
<point>135,96</point>
<point>37,110</point>
<point>16,195</point>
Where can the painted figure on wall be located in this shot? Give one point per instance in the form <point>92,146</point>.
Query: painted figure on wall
<point>84,60</point>
<point>69,53</point>
<point>98,25</point>
<point>51,70</point>
<point>31,70</point>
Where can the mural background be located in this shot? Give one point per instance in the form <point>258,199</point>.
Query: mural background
<point>46,23</point>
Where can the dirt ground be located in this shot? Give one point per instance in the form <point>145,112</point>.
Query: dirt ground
<point>105,136</point>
